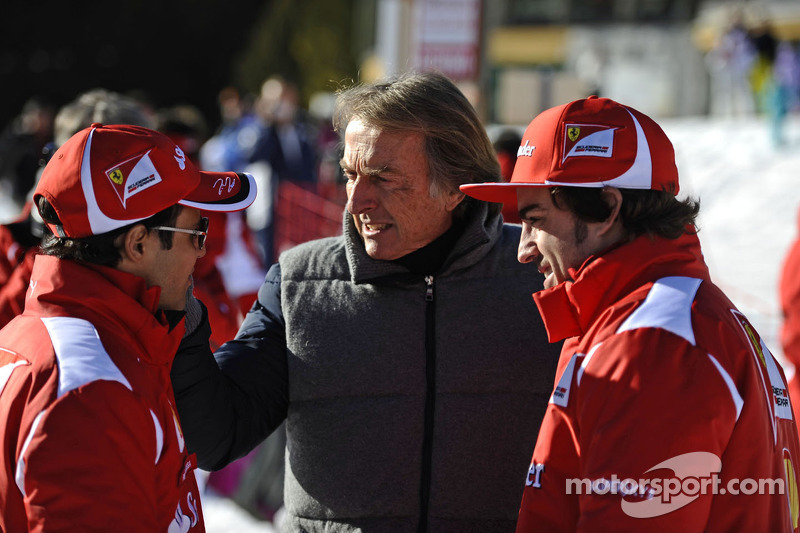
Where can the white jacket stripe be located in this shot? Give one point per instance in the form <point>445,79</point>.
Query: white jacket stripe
<point>668,306</point>
<point>80,354</point>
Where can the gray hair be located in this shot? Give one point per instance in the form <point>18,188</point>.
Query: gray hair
<point>98,105</point>
<point>457,147</point>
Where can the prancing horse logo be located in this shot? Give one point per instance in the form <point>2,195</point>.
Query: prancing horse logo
<point>116,176</point>
<point>573,133</point>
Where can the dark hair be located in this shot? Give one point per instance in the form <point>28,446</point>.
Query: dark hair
<point>643,211</point>
<point>508,141</point>
<point>100,249</point>
<point>456,144</point>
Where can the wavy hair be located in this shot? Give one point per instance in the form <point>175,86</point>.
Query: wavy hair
<point>456,144</point>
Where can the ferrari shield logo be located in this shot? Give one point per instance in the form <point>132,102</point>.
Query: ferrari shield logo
<point>116,176</point>
<point>573,132</point>
<point>588,140</point>
<point>133,176</point>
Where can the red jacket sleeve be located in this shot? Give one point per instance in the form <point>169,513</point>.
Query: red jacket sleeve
<point>789,289</point>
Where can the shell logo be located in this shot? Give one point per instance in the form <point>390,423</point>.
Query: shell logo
<point>791,488</point>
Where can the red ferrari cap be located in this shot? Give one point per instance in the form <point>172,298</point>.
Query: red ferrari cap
<point>106,177</point>
<point>594,142</point>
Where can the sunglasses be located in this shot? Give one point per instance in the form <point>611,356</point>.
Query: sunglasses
<point>201,233</point>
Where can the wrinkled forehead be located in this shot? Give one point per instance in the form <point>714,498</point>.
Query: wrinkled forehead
<point>360,140</point>
<point>369,146</point>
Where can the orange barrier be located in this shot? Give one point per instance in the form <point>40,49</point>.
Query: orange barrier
<point>307,211</point>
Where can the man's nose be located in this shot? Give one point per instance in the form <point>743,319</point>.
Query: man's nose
<point>527,251</point>
<point>360,196</point>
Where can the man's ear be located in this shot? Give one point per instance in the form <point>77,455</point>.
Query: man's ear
<point>613,199</point>
<point>453,200</point>
<point>133,244</point>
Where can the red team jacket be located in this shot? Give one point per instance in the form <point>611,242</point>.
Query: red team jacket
<point>789,292</point>
<point>662,387</point>
<point>16,263</point>
<point>90,435</point>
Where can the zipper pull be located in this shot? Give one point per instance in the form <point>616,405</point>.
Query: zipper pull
<point>429,290</point>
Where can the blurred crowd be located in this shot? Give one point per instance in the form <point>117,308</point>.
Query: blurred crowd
<point>752,72</point>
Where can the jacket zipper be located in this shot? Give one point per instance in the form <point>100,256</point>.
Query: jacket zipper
<point>430,404</point>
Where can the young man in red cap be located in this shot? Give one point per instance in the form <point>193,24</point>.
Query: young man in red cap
<point>668,413</point>
<point>90,436</point>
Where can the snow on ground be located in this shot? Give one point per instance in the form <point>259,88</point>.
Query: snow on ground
<point>222,515</point>
<point>749,197</point>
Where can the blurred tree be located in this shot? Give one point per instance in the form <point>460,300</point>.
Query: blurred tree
<point>312,46</point>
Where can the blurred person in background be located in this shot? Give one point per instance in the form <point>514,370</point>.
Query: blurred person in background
<point>22,146</point>
<point>20,239</point>
<point>289,143</point>
<point>761,74</point>
<point>19,244</point>
<point>286,150</point>
<point>730,63</point>
<point>233,145</point>
<point>786,89</point>
<point>507,145</point>
<point>328,145</point>
<point>411,371</point>
<point>90,437</point>
<point>97,105</point>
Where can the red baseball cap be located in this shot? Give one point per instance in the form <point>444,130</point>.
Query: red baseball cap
<point>594,142</point>
<point>107,177</point>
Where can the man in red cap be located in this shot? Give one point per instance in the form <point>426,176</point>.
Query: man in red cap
<point>668,413</point>
<point>90,435</point>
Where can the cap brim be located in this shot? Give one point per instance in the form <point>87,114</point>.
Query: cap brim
<point>503,193</point>
<point>222,191</point>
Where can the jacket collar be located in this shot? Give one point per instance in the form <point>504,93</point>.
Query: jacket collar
<point>571,307</point>
<point>107,297</point>
<point>481,232</point>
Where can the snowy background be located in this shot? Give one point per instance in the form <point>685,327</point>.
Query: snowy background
<point>749,197</point>
<point>749,192</point>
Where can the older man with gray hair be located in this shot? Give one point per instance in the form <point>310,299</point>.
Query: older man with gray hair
<point>411,370</point>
